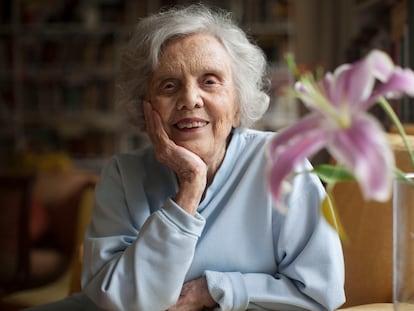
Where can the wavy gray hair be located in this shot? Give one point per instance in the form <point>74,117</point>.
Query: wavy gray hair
<point>141,54</point>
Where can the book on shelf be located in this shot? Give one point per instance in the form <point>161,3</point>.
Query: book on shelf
<point>265,11</point>
<point>6,53</point>
<point>402,35</point>
<point>5,12</point>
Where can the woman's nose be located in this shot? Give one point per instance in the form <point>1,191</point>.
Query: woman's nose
<point>190,98</point>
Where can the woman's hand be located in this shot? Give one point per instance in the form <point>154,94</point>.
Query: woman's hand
<point>191,170</point>
<point>194,296</point>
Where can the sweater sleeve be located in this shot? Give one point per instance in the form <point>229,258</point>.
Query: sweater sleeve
<point>309,257</point>
<point>128,266</point>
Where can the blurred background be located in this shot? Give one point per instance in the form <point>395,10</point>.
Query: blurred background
<point>59,59</point>
<point>59,124</point>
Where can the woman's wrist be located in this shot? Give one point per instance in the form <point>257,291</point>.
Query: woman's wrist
<point>189,196</point>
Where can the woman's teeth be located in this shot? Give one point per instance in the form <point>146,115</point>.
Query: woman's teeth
<point>189,125</point>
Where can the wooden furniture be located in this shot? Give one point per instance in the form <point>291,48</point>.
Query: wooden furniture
<point>368,252</point>
<point>371,307</point>
<point>69,198</point>
<point>15,202</point>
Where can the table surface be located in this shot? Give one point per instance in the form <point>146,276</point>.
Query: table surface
<point>370,307</point>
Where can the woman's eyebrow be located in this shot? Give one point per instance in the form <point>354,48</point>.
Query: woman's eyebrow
<point>163,76</point>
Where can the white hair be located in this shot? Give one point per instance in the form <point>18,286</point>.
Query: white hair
<point>141,55</point>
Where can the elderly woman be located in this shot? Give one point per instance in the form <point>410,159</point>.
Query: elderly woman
<point>187,223</point>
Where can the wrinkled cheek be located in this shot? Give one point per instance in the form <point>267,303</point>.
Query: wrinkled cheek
<point>223,127</point>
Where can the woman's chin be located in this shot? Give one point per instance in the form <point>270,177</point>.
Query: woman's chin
<point>197,147</point>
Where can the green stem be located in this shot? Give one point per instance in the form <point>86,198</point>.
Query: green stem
<point>290,60</point>
<point>394,118</point>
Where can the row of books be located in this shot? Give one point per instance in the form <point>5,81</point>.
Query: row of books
<point>52,98</point>
<point>392,30</point>
<point>6,12</point>
<point>402,50</point>
<point>48,99</point>
<point>266,11</point>
<point>66,50</point>
<point>90,144</point>
<point>68,11</point>
<point>94,13</point>
<point>247,11</point>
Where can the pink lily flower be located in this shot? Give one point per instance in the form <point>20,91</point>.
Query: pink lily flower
<point>339,121</point>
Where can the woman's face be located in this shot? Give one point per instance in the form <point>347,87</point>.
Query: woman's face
<point>193,91</point>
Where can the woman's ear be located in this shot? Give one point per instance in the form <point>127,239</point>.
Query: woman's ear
<point>236,118</point>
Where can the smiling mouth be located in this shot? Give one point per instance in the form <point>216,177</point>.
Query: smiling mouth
<point>191,125</point>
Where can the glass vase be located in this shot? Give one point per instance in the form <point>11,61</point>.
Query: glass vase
<point>403,245</point>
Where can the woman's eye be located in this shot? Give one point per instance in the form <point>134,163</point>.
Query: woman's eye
<point>167,86</point>
<point>210,80</point>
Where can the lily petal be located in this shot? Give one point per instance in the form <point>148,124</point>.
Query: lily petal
<point>360,83</point>
<point>327,82</point>
<point>364,149</point>
<point>336,86</point>
<point>381,64</point>
<point>289,135</point>
<point>354,83</point>
<point>401,81</point>
<point>351,84</point>
<point>290,156</point>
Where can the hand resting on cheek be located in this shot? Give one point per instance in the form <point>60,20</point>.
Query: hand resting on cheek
<point>190,169</point>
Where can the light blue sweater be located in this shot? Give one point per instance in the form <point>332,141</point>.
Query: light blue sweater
<point>141,247</point>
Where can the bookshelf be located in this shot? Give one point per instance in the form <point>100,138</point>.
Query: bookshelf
<point>387,25</point>
<point>372,27</point>
<point>402,48</point>
<point>59,60</point>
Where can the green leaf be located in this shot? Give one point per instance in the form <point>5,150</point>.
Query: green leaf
<point>331,174</point>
